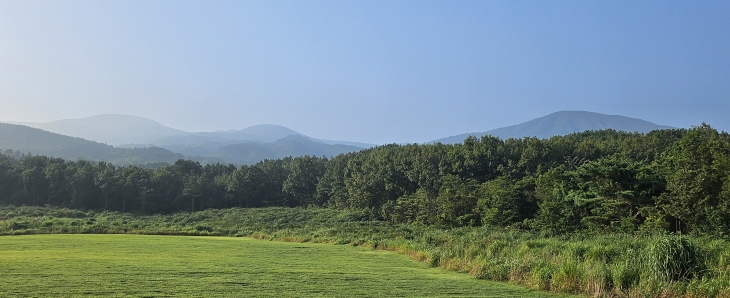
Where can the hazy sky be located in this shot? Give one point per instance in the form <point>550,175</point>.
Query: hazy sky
<point>369,71</point>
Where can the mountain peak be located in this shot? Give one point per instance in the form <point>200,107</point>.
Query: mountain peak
<point>114,129</point>
<point>563,123</point>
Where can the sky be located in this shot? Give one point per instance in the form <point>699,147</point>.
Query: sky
<point>366,71</point>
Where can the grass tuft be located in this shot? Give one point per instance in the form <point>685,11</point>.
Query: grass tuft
<point>674,258</point>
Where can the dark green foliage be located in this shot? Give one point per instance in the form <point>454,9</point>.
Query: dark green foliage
<point>614,193</point>
<point>503,202</point>
<point>457,201</point>
<point>301,182</point>
<point>557,212</point>
<point>595,182</point>
<point>697,169</point>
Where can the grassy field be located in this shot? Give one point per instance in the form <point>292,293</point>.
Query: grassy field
<point>610,265</point>
<point>166,266</point>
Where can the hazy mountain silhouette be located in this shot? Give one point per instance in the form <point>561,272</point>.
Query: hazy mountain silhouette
<point>562,123</point>
<point>293,145</point>
<point>263,133</point>
<point>39,142</point>
<point>158,143</point>
<point>136,132</point>
<point>146,141</point>
<point>111,129</point>
<point>253,144</point>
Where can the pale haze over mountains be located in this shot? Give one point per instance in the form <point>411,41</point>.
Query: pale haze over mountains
<point>141,140</point>
<point>248,145</point>
<point>110,129</point>
<point>366,71</point>
<point>129,130</point>
<point>563,123</point>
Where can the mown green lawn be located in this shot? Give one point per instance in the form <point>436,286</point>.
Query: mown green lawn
<point>174,266</point>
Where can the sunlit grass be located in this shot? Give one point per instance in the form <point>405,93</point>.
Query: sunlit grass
<point>604,265</point>
<point>165,266</point>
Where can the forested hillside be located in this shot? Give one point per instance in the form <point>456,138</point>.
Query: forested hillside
<point>596,181</point>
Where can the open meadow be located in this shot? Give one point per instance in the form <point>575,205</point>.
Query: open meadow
<point>179,266</point>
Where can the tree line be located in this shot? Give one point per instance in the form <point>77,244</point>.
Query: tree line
<point>598,181</point>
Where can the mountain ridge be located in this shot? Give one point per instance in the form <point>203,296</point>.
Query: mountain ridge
<point>266,141</point>
<point>112,129</point>
<point>293,145</point>
<point>36,141</point>
<point>134,131</point>
<point>562,123</point>
<point>40,142</point>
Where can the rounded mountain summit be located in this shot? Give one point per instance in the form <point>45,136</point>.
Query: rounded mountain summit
<point>560,124</point>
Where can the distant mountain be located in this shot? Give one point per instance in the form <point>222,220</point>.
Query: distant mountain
<point>562,123</point>
<point>151,142</point>
<point>132,132</point>
<point>293,145</point>
<point>356,144</point>
<point>39,142</point>
<point>299,145</point>
<point>260,140</point>
<point>136,132</point>
<point>263,133</point>
<point>110,129</point>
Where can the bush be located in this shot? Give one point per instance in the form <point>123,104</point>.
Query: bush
<point>22,225</point>
<point>674,258</point>
<point>204,228</point>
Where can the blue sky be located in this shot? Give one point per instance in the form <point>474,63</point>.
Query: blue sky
<point>369,71</point>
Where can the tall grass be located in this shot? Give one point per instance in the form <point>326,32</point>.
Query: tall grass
<point>616,265</point>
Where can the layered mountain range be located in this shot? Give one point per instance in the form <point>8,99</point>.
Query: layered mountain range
<point>123,139</point>
<point>245,146</point>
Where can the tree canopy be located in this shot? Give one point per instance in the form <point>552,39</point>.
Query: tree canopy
<point>675,180</point>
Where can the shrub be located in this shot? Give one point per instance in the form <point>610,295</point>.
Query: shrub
<point>674,258</point>
<point>19,225</point>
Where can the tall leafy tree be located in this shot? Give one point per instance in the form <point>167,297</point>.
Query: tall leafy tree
<point>456,202</point>
<point>301,183</point>
<point>696,170</point>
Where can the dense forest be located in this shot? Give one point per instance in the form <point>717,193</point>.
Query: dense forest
<point>595,181</point>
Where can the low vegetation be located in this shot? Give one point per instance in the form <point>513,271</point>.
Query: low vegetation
<point>161,266</point>
<point>614,265</point>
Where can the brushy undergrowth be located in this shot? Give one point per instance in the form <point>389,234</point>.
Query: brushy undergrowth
<point>616,265</point>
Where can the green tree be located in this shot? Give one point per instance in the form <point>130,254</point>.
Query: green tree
<point>696,170</point>
<point>557,212</point>
<point>456,202</point>
<point>301,183</point>
<point>615,193</point>
<point>503,201</point>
